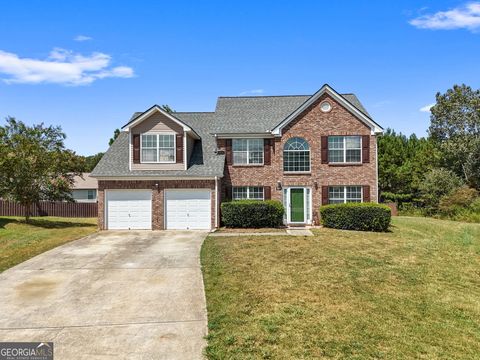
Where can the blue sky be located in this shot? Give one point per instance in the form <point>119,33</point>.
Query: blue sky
<point>87,65</point>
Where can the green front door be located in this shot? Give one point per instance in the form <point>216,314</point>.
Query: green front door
<point>297,205</point>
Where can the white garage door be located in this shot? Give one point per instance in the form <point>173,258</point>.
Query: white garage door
<point>187,209</point>
<point>129,209</point>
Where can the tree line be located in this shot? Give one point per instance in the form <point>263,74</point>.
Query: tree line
<point>438,174</point>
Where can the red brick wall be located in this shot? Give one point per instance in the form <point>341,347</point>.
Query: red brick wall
<point>311,125</point>
<point>157,195</point>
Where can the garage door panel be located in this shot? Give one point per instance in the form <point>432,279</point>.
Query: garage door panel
<point>128,209</point>
<point>188,209</point>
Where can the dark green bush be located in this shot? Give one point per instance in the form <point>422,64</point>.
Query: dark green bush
<point>356,216</point>
<point>252,213</point>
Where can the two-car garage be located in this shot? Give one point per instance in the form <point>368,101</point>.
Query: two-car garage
<point>182,209</point>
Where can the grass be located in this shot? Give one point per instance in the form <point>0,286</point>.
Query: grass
<point>20,241</point>
<point>411,293</point>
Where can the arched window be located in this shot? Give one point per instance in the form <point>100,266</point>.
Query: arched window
<point>296,155</point>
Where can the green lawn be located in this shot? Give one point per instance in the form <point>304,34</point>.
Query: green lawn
<point>20,241</point>
<point>411,293</point>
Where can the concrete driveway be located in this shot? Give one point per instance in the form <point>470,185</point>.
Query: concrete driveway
<point>112,295</point>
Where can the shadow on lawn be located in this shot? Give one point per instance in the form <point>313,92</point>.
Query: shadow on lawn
<point>45,223</point>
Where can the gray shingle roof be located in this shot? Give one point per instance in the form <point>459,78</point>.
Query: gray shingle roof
<point>203,162</point>
<point>258,114</point>
<point>252,114</point>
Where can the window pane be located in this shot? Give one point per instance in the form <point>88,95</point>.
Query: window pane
<point>353,142</point>
<point>239,192</point>
<point>335,156</point>
<point>255,157</point>
<point>255,193</point>
<point>335,142</point>
<point>239,145</point>
<point>91,194</point>
<point>166,155</point>
<point>149,141</point>
<point>240,157</point>
<point>336,194</point>
<point>354,193</point>
<point>149,155</point>
<point>296,161</point>
<point>353,155</point>
<point>335,149</point>
<point>166,141</point>
<point>255,145</point>
<point>296,144</point>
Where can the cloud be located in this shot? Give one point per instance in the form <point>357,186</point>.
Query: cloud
<point>427,108</point>
<point>60,67</point>
<point>82,38</point>
<point>252,92</point>
<point>464,17</point>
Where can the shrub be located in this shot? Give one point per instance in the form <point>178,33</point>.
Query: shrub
<point>437,183</point>
<point>458,200</point>
<point>396,198</point>
<point>356,216</point>
<point>252,213</point>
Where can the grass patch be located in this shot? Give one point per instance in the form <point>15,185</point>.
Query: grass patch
<point>20,241</point>
<point>411,293</point>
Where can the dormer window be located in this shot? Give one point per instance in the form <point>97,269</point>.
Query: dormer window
<point>158,148</point>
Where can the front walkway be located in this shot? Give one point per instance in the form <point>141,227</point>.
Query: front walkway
<point>113,295</point>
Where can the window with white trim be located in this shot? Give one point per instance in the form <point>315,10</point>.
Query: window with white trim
<point>247,151</point>
<point>344,194</point>
<point>296,155</point>
<point>247,192</point>
<point>344,149</point>
<point>158,148</point>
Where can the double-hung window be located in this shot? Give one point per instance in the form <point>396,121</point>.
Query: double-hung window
<point>247,192</point>
<point>158,148</point>
<point>247,151</point>
<point>344,149</point>
<point>344,194</point>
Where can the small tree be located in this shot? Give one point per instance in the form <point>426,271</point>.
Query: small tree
<point>167,108</point>
<point>455,127</point>
<point>92,161</point>
<point>34,164</point>
<point>115,135</point>
<point>438,183</point>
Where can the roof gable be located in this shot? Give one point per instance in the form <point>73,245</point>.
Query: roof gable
<point>326,89</point>
<point>155,108</point>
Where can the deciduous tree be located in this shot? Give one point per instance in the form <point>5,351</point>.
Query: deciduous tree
<point>455,128</point>
<point>35,165</point>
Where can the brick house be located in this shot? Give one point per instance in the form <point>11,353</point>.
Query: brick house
<point>172,170</point>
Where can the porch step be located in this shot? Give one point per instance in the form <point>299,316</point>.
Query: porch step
<point>299,232</point>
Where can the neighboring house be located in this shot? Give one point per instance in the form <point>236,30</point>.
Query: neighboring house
<point>85,188</point>
<point>172,171</point>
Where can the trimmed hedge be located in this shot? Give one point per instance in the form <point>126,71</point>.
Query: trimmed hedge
<point>252,213</point>
<point>356,216</point>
